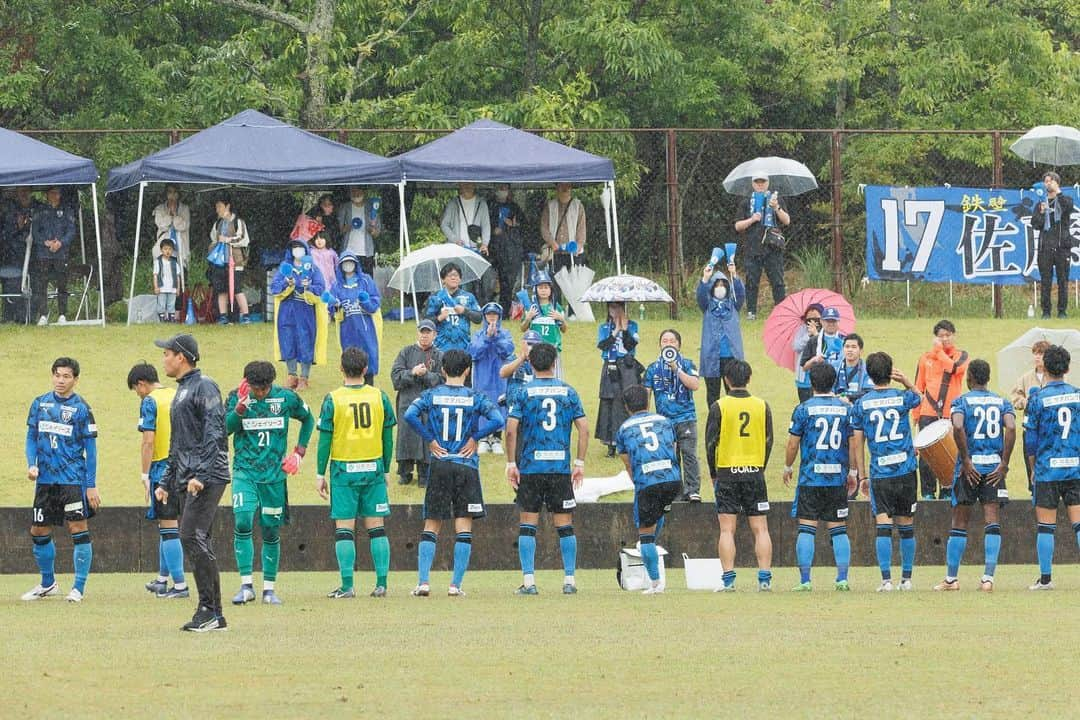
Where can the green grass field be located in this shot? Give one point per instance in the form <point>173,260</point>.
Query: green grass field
<point>107,354</point>
<point>602,653</point>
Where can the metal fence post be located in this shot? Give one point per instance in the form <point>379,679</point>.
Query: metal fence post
<point>837,202</point>
<point>998,181</point>
<point>673,223</point>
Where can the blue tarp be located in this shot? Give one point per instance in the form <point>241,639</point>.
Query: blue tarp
<point>255,149</point>
<point>26,161</point>
<point>489,152</point>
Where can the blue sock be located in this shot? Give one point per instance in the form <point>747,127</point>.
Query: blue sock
<point>729,578</point>
<point>991,547</point>
<point>462,551</point>
<point>764,576</point>
<point>649,556</point>
<point>954,551</point>
<point>907,550</point>
<point>1044,545</point>
<point>163,562</point>
<point>426,555</point>
<point>83,553</point>
<point>45,555</point>
<point>568,546</point>
<point>841,547</point>
<point>804,550</point>
<point>884,550</point>
<point>527,548</point>
<point>174,554</point>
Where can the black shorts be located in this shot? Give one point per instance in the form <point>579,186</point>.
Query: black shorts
<point>653,502</point>
<point>453,491</point>
<point>219,279</point>
<point>749,496</point>
<point>828,503</point>
<point>57,504</point>
<point>168,510</point>
<point>895,496</point>
<point>555,491</point>
<point>1051,493</point>
<point>964,494</point>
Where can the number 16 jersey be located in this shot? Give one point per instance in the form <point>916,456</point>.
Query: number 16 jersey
<point>545,409</point>
<point>884,417</point>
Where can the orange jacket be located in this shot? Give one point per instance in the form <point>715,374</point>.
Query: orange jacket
<point>929,375</point>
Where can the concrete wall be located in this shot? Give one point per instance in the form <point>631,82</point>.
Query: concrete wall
<point>124,541</point>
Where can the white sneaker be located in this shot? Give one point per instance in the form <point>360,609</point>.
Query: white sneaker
<point>654,589</point>
<point>74,596</point>
<point>61,320</point>
<point>906,586</point>
<point>455,591</point>
<point>885,586</point>
<point>483,447</point>
<point>1036,586</point>
<point>497,448</point>
<point>42,321</point>
<point>40,592</point>
<point>725,589</point>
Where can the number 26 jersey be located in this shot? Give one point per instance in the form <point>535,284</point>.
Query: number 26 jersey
<point>884,417</point>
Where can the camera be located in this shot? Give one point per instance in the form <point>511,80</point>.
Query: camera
<point>669,354</point>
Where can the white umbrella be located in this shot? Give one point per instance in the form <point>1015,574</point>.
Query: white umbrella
<point>574,282</point>
<point>787,177</point>
<point>419,270</point>
<point>1049,145</point>
<point>625,288</point>
<point>1015,358</point>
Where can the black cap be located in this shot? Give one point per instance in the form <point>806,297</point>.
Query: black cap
<point>184,343</point>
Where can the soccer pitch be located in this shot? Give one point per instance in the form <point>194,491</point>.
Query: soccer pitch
<point>603,653</point>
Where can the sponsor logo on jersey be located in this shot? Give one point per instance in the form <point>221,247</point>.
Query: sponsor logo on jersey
<point>763,506</point>
<point>358,467</point>
<point>1003,494</point>
<point>656,465</point>
<point>985,400</point>
<point>475,507</point>
<point>541,455</point>
<point>1063,399</point>
<point>269,423</point>
<point>894,459</point>
<point>638,420</point>
<point>842,513</point>
<point>886,402</point>
<point>453,400</point>
<point>382,507</point>
<point>55,428</point>
<point>743,469</point>
<point>827,410</point>
<point>569,504</point>
<point>274,511</point>
<point>1065,462</point>
<point>547,390</point>
<point>827,468</point>
<point>992,459</point>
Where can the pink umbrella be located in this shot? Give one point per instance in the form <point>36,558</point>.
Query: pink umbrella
<point>787,317</point>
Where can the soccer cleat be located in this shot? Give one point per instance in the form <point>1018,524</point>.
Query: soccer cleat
<point>885,586</point>
<point>694,497</point>
<point>483,447</point>
<point>569,589</point>
<point>802,587</point>
<point>421,590</point>
<point>725,589</point>
<point>947,585</point>
<point>1039,585</point>
<point>174,594</point>
<point>655,589</point>
<point>527,590</point>
<point>497,448</point>
<point>764,586</point>
<point>75,596</point>
<point>378,592</point>
<point>270,598</point>
<point>842,586</point>
<point>246,595</point>
<point>40,592</point>
<point>42,321</point>
<point>221,624</point>
<point>905,585</point>
<point>987,584</point>
<point>340,594</point>
<point>203,620</point>
<point>157,586</point>
<point>455,591</point>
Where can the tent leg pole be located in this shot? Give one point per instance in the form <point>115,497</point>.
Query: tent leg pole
<point>135,252</point>
<point>82,232</point>
<point>615,223</point>
<point>908,284</point>
<point>101,263</point>
<point>402,233</point>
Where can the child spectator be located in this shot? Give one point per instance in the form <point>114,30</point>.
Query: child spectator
<point>356,301</point>
<point>166,279</point>
<point>490,348</point>
<point>300,320</point>
<point>545,316</point>
<point>326,259</point>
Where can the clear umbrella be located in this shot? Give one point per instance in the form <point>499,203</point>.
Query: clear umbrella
<point>1049,145</point>
<point>625,288</point>
<point>787,177</point>
<point>419,270</point>
<point>1015,359</point>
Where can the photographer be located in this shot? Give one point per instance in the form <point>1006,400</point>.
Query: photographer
<point>672,379</point>
<point>762,243</point>
<point>1051,219</point>
<point>825,343</point>
<point>812,315</point>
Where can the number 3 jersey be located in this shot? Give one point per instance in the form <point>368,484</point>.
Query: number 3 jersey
<point>823,424</point>
<point>884,417</point>
<point>648,439</point>
<point>261,435</point>
<point>452,415</point>
<point>1051,434</point>
<point>546,409</point>
<point>984,417</point>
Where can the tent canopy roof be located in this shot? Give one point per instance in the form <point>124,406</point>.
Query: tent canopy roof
<point>26,161</point>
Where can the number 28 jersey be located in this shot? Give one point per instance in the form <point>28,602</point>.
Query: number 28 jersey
<point>984,418</point>
<point>1051,432</point>
<point>823,425</point>
<point>546,409</point>
<point>884,417</point>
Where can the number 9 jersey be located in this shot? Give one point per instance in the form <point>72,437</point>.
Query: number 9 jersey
<point>546,409</point>
<point>884,418</point>
<point>1050,432</point>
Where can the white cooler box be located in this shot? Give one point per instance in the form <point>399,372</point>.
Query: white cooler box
<point>632,574</point>
<point>704,573</point>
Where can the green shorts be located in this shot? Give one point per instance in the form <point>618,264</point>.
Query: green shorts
<point>269,498</point>
<point>358,490</point>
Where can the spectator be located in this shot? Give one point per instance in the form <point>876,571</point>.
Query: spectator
<point>166,281</point>
<point>297,287</point>
<point>562,222</point>
<point>466,221</point>
<point>1051,219</point>
<point>852,381</point>
<point>325,258</point>
<point>825,344</point>
<point>231,230</point>
<point>1020,394</point>
<point>14,244</point>
<point>753,225</point>
<point>507,248</point>
<point>490,348</point>
<point>617,340</point>
<point>173,220</point>
<point>360,225</point>
<point>673,384</point>
<point>720,300</point>
<point>453,310</point>
<point>357,302</point>
<point>811,316</point>
<point>416,369</point>
<point>546,316</point>
<point>327,213</point>
<point>939,379</point>
<point>53,229</point>
<point>518,371</point>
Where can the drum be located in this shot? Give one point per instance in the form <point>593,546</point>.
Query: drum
<point>935,445</point>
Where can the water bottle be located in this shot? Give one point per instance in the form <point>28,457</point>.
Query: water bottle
<point>1031,310</point>
<point>641,312</point>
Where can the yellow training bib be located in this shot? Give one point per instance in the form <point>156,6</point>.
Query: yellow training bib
<point>358,423</point>
<point>742,432</point>
<point>163,397</point>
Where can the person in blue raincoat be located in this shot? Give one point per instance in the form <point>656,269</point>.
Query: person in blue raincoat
<point>355,300</point>
<point>720,300</point>
<point>491,346</point>
<point>300,327</point>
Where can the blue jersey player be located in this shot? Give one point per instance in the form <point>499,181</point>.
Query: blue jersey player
<point>646,443</point>
<point>542,416</point>
<point>1052,442</point>
<point>881,419</point>
<point>451,418</point>
<point>984,426</point>
<point>819,433</point>
<point>61,458</point>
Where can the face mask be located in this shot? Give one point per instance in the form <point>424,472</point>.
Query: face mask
<point>298,252</point>
<point>501,195</point>
<point>348,267</point>
<point>719,292</point>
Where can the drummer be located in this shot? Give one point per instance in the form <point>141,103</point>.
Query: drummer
<point>984,426</point>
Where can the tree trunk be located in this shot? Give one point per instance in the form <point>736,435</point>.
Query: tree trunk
<point>532,44</point>
<point>314,111</point>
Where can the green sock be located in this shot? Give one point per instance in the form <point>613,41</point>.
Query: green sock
<point>271,552</point>
<point>346,556</point>
<point>245,552</point>
<point>380,554</point>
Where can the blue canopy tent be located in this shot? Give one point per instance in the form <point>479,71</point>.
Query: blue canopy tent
<point>26,161</point>
<point>252,149</point>
<point>486,151</point>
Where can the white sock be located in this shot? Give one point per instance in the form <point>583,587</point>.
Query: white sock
<point>163,578</point>
<point>568,580</point>
<point>180,586</point>
<point>246,580</point>
<point>268,585</point>
<point>528,580</point>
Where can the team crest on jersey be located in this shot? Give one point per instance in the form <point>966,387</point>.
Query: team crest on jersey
<point>66,413</point>
<point>180,396</point>
<point>275,405</point>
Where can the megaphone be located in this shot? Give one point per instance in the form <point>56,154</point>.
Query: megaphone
<point>717,257</point>
<point>189,314</point>
<point>730,248</point>
<point>669,354</point>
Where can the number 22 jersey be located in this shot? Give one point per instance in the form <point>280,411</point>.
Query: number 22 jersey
<point>884,417</point>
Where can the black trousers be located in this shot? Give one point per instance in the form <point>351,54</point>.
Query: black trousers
<point>508,270</point>
<point>927,479</point>
<point>42,272</point>
<point>773,264</point>
<point>367,264</point>
<point>1049,263</point>
<point>714,386</point>
<point>196,529</point>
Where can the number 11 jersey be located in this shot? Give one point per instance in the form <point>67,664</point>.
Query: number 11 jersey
<point>546,409</point>
<point>884,417</point>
